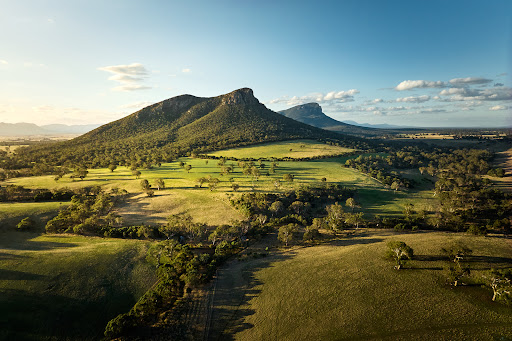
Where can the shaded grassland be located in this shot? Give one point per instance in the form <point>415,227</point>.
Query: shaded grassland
<point>183,195</point>
<point>285,149</point>
<point>346,290</point>
<point>67,287</point>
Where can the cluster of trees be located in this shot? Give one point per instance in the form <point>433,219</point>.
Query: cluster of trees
<point>17,193</point>
<point>88,212</point>
<point>179,269</point>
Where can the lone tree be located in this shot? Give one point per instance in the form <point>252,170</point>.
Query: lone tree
<point>159,183</point>
<point>188,168</point>
<point>456,270</point>
<point>400,252</point>
<point>145,184</point>
<point>235,187</point>
<point>500,282</point>
<point>136,173</point>
<point>112,167</point>
<point>201,181</point>
<point>351,202</point>
<point>288,177</point>
<point>285,234</point>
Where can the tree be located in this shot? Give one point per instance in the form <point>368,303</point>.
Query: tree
<point>455,270</point>
<point>81,172</point>
<point>159,183</point>
<point>334,219</point>
<point>188,168</point>
<point>285,234</point>
<point>500,282</point>
<point>277,184</point>
<point>136,173</point>
<point>212,183</point>
<point>201,181</point>
<point>288,177</point>
<point>144,184</point>
<point>400,252</point>
<point>235,187</point>
<point>351,202</point>
<point>112,167</point>
<point>395,186</point>
<point>354,219</point>
<point>276,207</point>
<point>149,192</point>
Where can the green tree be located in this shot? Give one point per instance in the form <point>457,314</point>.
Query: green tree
<point>136,173</point>
<point>188,168</point>
<point>285,234</point>
<point>201,181</point>
<point>144,184</point>
<point>500,282</point>
<point>159,183</point>
<point>334,219</point>
<point>351,202</point>
<point>112,167</point>
<point>288,177</point>
<point>235,187</point>
<point>399,252</point>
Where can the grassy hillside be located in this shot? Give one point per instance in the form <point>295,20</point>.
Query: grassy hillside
<point>67,287</point>
<point>346,290</point>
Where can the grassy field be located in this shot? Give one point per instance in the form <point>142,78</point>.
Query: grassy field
<point>291,149</point>
<point>182,194</point>
<point>56,287</point>
<point>346,290</point>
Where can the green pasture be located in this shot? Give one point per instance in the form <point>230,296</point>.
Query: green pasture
<point>291,149</point>
<point>63,287</point>
<point>347,290</point>
<point>183,195</point>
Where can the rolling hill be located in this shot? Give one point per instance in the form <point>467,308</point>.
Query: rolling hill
<point>184,124</point>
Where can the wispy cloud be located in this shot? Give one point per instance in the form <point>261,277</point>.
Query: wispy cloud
<point>498,107</point>
<point>414,99</point>
<point>4,62</point>
<point>469,81</point>
<point>409,84</point>
<point>186,70</point>
<point>129,76</point>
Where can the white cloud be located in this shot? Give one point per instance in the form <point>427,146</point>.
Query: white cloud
<point>498,107</point>
<point>501,93</point>
<point>129,76</point>
<point>469,81</point>
<point>414,99</point>
<point>186,70</point>
<point>4,62</point>
<point>329,98</point>
<point>409,85</point>
<point>51,21</point>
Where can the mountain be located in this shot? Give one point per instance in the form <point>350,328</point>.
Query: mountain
<point>18,129</point>
<point>311,113</point>
<point>28,129</point>
<point>380,126</point>
<point>69,129</point>
<point>183,124</point>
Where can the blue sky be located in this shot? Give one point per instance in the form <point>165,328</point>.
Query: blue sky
<point>419,63</point>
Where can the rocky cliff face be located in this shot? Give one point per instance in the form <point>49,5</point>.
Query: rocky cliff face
<point>242,96</point>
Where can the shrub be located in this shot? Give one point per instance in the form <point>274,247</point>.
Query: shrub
<point>25,224</point>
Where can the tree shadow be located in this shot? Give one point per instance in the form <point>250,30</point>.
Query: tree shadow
<point>354,241</point>
<point>13,275</point>
<point>23,241</point>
